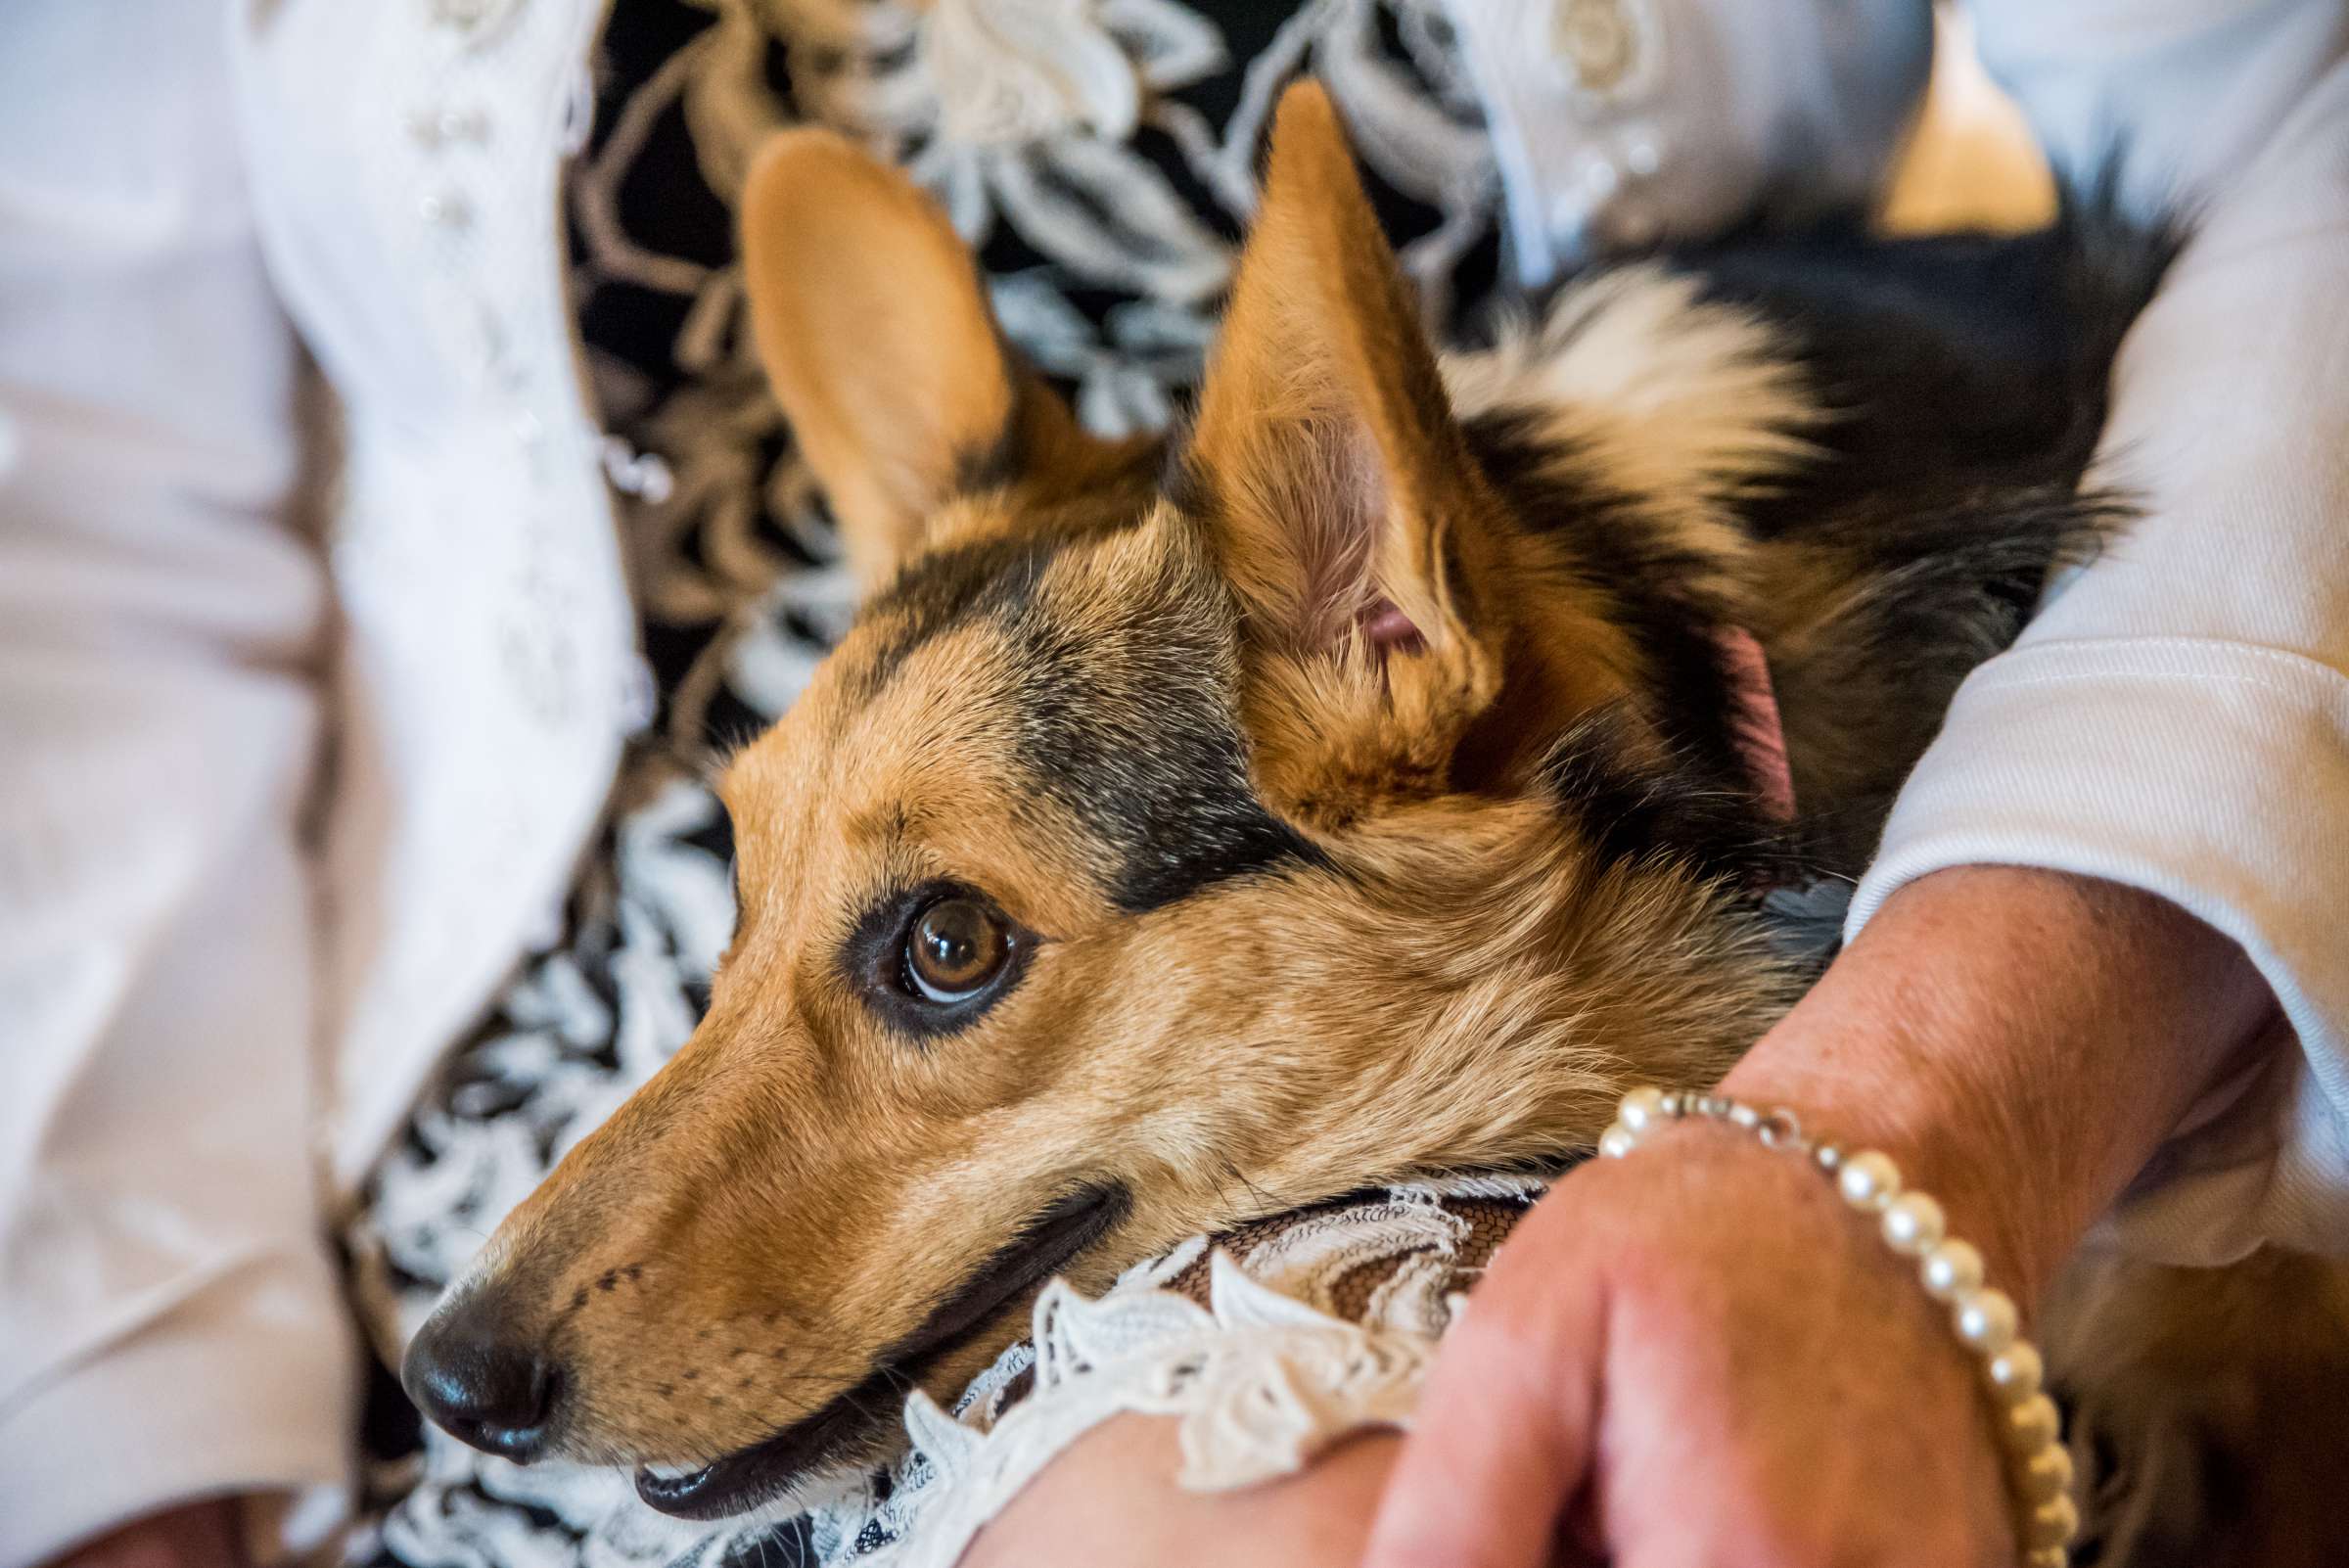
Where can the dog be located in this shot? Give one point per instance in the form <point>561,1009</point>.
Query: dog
<point>1366,784</point>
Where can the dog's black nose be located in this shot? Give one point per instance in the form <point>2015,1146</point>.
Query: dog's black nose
<point>497,1395</point>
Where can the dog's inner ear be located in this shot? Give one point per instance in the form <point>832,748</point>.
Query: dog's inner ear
<point>876,335</point>
<point>1343,504</point>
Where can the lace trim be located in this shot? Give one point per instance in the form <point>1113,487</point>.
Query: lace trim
<point>1268,1346</point>
<point>1260,1382</point>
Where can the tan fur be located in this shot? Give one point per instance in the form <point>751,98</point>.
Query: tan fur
<point>1468,985</point>
<point>2207,1407</point>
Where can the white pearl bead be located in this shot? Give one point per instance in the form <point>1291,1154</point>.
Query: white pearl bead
<point>1617,1141</point>
<point>2015,1372</point>
<point>2032,1424</point>
<point>1986,1320</point>
<point>1950,1270</point>
<point>2053,1522</point>
<point>1913,1224</point>
<point>1641,1110</point>
<point>2047,1474</point>
<point>1869,1181</point>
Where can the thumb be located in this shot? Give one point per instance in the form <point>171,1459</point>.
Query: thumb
<point>1504,1433</point>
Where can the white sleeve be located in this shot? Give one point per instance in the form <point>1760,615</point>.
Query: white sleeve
<point>2177,718</point>
<point>170,1322</point>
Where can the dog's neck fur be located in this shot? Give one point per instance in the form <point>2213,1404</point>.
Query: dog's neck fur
<point>1505,1016</point>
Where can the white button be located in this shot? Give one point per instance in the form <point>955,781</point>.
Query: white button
<point>1598,40</point>
<point>437,128</point>
<point>447,209</point>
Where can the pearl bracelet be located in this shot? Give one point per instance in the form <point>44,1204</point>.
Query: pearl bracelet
<point>2039,1470</point>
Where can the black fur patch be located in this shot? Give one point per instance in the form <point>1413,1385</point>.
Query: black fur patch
<point>1135,734</point>
<point>950,589</point>
<point>1636,815</point>
<point>1945,362</point>
<point>1131,731</point>
<point>1613,544</point>
<point>1964,380</point>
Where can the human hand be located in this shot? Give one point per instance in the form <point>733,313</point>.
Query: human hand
<point>1694,1358</point>
<point>191,1535</point>
<point>1697,1357</point>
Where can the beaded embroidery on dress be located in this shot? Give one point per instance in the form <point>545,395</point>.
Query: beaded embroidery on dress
<point>1106,195</point>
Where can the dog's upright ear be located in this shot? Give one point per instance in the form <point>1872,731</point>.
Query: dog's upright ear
<point>876,335</point>
<point>1343,504</point>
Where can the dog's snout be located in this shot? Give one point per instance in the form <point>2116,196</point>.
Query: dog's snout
<point>482,1384</point>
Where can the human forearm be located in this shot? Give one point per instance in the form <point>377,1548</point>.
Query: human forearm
<point>2022,1041</point>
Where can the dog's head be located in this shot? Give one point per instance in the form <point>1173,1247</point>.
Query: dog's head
<point>1175,838</point>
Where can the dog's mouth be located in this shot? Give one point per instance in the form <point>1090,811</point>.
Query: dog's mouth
<point>750,1476</point>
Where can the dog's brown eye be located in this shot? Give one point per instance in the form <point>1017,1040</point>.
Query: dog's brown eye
<point>956,947</point>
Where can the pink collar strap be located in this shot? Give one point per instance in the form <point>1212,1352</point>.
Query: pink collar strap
<point>1760,735</point>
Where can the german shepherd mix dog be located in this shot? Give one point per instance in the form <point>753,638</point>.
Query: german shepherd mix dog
<point>1356,787</point>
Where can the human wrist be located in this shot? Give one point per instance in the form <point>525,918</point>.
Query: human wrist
<point>1977,1159</point>
<point>2020,1040</point>
<point>1983,1319</point>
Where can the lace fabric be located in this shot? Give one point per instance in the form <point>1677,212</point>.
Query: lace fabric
<point>1266,1346</point>
<point>1259,1383</point>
